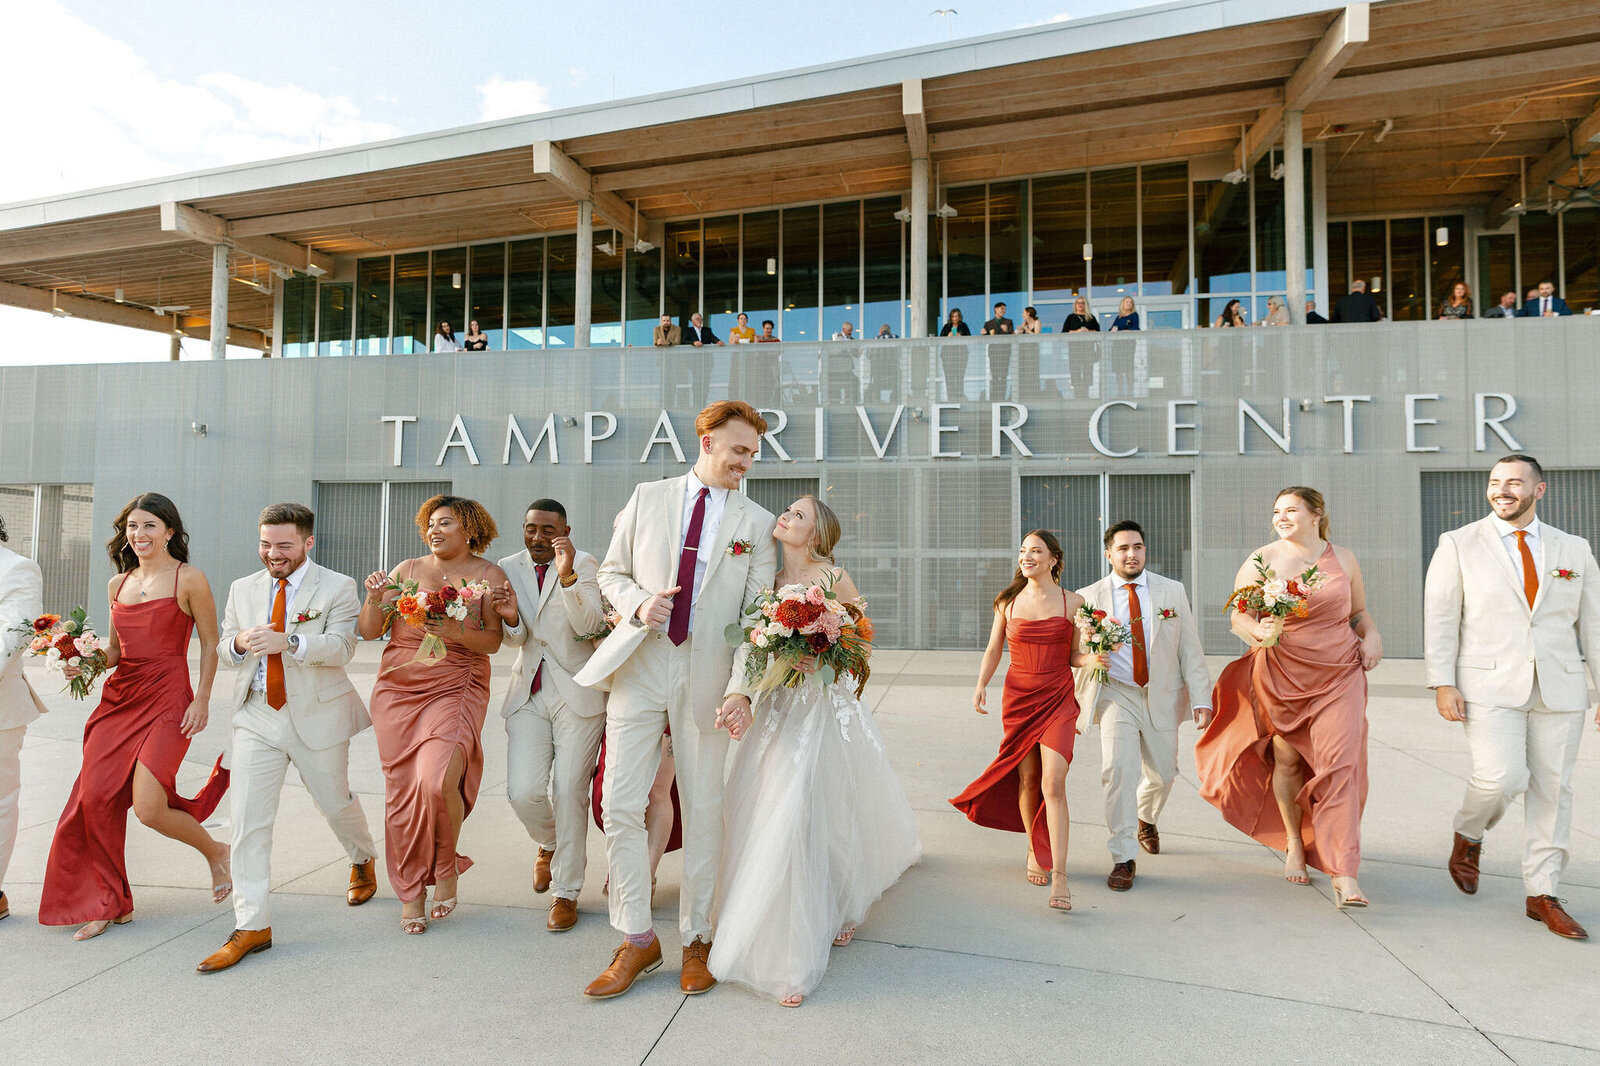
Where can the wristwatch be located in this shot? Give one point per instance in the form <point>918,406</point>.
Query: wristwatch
<point>294,643</point>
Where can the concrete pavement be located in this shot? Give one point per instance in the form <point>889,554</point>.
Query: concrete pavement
<point>1211,958</point>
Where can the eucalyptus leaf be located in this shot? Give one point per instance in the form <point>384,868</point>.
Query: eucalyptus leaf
<point>734,634</point>
<point>825,674</point>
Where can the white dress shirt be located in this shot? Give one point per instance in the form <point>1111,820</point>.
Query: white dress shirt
<point>259,682</point>
<point>1122,658</point>
<point>1535,544</point>
<point>716,503</point>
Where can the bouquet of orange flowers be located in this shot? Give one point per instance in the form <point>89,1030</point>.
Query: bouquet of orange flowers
<point>800,620</point>
<point>1274,596</point>
<point>420,610</point>
<point>1101,633</point>
<point>68,642</point>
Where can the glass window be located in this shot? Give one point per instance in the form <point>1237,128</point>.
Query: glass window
<point>1581,233</point>
<point>1408,298</point>
<point>561,289</point>
<point>644,296</point>
<point>1447,262</point>
<point>841,268</point>
<point>882,235</point>
<point>299,317</point>
<point>1164,228</point>
<point>372,306</point>
<point>721,257</point>
<point>1497,271</point>
<point>410,303</point>
<point>1058,227</point>
<point>1269,228</point>
<point>761,268</point>
<point>1008,213</point>
<point>801,276</point>
<point>1539,261</point>
<point>335,320</point>
<point>525,294</point>
<point>449,291</point>
<point>1338,261</point>
<point>682,268</point>
<point>1222,236</point>
<point>605,294</point>
<point>965,281</point>
<point>486,291</point>
<point>1367,243</point>
<point>1114,232</point>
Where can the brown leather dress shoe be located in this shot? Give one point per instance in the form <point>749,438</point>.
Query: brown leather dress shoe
<point>5,906</point>
<point>1464,864</point>
<point>626,966</point>
<point>363,882</point>
<point>1121,877</point>
<point>563,915</point>
<point>696,976</point>
<point>1149,837</point>
<point>1547,909</point>
<point>243,942</point>
<point>541,871</point>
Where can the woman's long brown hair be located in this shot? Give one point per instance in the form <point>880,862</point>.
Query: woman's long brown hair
<point>1018,582</point>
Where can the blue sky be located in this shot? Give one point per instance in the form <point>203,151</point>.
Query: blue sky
<point>129,91</point>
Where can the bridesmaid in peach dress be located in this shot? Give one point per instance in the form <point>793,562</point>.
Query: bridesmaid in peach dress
<point>1290,733</point>
<point>428,718</point>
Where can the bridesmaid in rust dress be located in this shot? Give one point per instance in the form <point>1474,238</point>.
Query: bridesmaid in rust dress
<point>134,742</point>
<point>428,717</point>
<point>1025,789</point>
<point>1290,732</point>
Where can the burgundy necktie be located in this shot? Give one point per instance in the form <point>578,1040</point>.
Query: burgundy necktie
<point>538,675</point>
<point>678,626</point>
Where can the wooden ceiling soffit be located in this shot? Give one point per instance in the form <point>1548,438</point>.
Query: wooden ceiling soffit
<point>209,229</point>
<point>556,167</point>
<point>916,117</point>
<point>776,160</point>
<point>1347,34</point>
<point>32,299</point>
<point>348,215</point>
<point>1552,166</point>
<point>1185,109</point>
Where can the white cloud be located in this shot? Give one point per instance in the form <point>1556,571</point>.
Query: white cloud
<point>507,98</point>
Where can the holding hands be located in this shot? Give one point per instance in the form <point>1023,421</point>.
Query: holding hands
<point>504,602</point>
<point>735,716</point>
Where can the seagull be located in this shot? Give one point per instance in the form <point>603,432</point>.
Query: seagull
<point>945,13</point>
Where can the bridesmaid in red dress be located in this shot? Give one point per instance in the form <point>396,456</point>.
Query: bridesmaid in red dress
<point>428,718</point>
<point>136,738</point>
<point>1290,732</point>
<point>1025,789</point>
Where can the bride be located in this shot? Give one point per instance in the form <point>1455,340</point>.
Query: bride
<point>818,826</point>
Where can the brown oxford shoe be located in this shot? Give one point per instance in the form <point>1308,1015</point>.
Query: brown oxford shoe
<point>1149,838</point>
<point>1547,909</point>
<point>626,966</point>
<point>563,915</point>
<point>1121,877</point>
<point>696,976</point>
<point>243,942</point>
<point>5,906</point>
<point>541,871</point>
<point>363,882</point>
<point>1464,864</point>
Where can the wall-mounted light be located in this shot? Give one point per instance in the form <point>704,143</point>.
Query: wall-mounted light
<point>772,267</point>
<point>1236,176</point>
<point>455,280</point>
<point>903,215</point>
<point>568,420</point>
<point>1088,251</point>
<point>1441,236</point>
<point>606,248</point>
<point>916,414</point>
<point>56,308</point>
<point>119,294</point>
<point>197,428</point>
<point>1376,284</point>
<point>946,211</point>
<point>643,246</point>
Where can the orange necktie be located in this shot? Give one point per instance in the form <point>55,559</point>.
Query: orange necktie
<point>276,697</point>
<point>1141,668</point>
<point>1530,572</point>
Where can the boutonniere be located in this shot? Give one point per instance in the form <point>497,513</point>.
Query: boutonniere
<point>1168,612</point>
<point>1563,574</point>
<point>305,616</point>
<point>740,547</point>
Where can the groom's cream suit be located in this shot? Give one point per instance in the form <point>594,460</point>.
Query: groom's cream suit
<point>21,601</point>
<point>655,683</point>
<point>311,730</point>
<point>1521,672</point>
<point>1139,725</point>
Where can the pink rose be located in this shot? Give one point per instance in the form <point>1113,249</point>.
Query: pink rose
<point>815,595</point>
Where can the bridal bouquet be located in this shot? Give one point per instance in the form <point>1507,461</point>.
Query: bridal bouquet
<point>610,619</point>
<point>1272,595</point>
<point>68,642</point>
<point>1101,633</point>
<point>420,610</point>
<point>800,620</point>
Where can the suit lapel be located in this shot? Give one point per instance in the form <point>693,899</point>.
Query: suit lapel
<point>676,487</point>
<point>1551,562</point>
<point>732,513</point>
<point>1492,543</point>
<point>550,581</point>
<point>307,592</point>
<point>1152,613</point>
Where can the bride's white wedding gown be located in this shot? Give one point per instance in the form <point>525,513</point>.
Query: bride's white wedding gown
<point>817,828</point>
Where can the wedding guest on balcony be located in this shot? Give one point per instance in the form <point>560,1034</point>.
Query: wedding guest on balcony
<point>847,332</point>
<point>1506,308</point>
<point>21,601</point>
<point>1291,713</point>
<point>742,333</point>
<point>476,339</point>
<point>135,740</point>
<point>1081,358</point>
<point>1028,355</point>
<point>1313,317</point>
<point>666,334</point>
<point>1120,354</point>
<point>885,333</point>
<point>954,356</point>
<point>766,336</point>
<point>1232,315</point>
<point>444,339</point>
<point>762,372</point>
<point>999,354</point>
<point>1030,321</point>
<point>699,335</point>
<point>838,370</point>
<point>1459,305</point>
<point>1357,305</point>
<point>1025,789</point>
<point>1277,314</point>
<point>955,325</point>
<point>1544,303</point>
<point>428,711</point>
<point>1127,318</point>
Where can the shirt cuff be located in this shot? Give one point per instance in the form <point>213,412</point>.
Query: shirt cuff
<point>235,657</point>
<point>511,627</point>
<point>299,656</point>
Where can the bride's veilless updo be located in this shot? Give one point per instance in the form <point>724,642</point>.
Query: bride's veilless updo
<point>825,535</point>
<point>1313,499</point>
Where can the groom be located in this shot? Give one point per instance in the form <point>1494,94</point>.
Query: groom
<point>1157,679</point>
<point>1511,614</point>
<point>687,555</point>
<point>289,630</point>
<point>21,601</point>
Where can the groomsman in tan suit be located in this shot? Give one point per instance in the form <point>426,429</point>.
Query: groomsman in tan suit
<point>687,555</point>
<point>1511,615</point>
<point>21,601</point>
<point>553,724</point>
<point>288,631</point>
<point>1157,680</point>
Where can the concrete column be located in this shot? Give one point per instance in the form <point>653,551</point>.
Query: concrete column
<point>583,304</point>
<point>219,301</point>
<point>1294,216</point>
<point>174,347</point>
<point>918,327</point>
